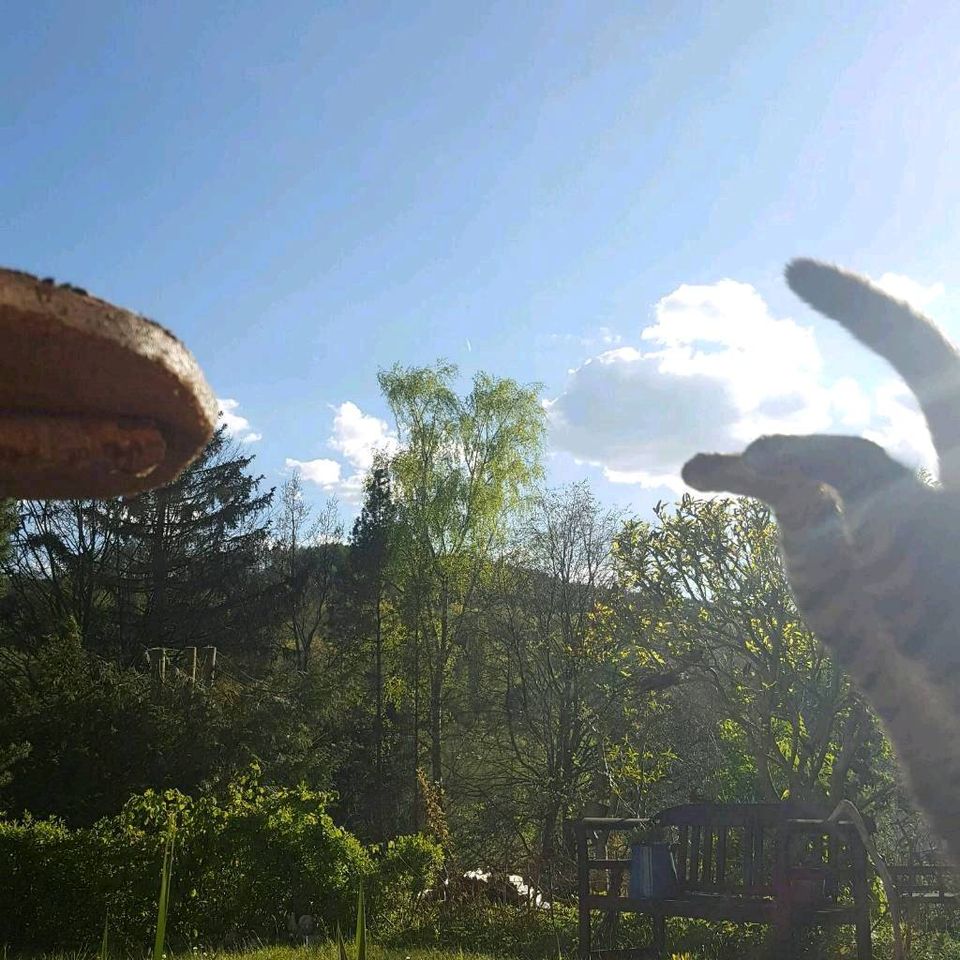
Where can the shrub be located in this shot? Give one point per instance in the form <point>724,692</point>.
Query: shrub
<point>243,861</point>
<point>407,866</point>
<point>47,878</point>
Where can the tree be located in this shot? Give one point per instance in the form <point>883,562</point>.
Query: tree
<point>58,572</point>
<point>574,677</point>
<point>709,575</point>
<point>79,733</point>
<point>368,583</point>
<point>464,465</point>
<point>308,555</point>
<point>189,568</point>
<point>8,523</point>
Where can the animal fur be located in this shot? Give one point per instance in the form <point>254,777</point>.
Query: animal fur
<point>871,551</point>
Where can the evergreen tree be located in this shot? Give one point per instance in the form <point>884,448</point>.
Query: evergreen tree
<point>189,566</point>
<point>367,589</point>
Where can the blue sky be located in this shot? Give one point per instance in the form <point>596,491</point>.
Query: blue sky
<point>596,196</point>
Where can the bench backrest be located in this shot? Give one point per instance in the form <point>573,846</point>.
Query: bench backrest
<point>920,879</point>
<point>747,848</point>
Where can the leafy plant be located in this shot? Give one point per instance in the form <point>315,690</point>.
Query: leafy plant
<point>242,853</point>
<point>361,938</point>
<point>163,903</point>
<point>651,832</point>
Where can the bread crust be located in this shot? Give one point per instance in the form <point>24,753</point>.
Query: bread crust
<point>90,394</point>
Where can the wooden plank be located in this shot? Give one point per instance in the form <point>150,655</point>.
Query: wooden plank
<point>748,842</point>
<point>759,868</point>
<point>613,823</point>
<point>583,891</point>
<point>682,854</point>
<point>721,814</point>
<point>693,873</point>
<point>706,871</point>
<point>781,857</point>
<point>722,857</point>
<point>861,899</point>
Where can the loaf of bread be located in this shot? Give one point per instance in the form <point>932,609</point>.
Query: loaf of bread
<point>95,401</point>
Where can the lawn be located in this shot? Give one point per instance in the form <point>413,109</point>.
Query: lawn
<point>328,951</point>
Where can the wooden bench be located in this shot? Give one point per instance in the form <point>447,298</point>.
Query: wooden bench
<point>777,863</point>
<point>924,883</point>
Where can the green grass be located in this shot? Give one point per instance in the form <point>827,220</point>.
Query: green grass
<point>326,951</point>
<point>329,952</point>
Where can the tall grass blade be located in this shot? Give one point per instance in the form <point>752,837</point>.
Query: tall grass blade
<point>164,902</point>
<point>104,944</point>
<point>341,947</point>
<point>361,940</point>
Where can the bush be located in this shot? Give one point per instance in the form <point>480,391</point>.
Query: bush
<point>498,929</point>
<point>406,868</point>
<point>47,877</point>
<point>242,861</point>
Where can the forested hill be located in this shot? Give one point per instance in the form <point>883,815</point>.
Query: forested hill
<point>525,651</point>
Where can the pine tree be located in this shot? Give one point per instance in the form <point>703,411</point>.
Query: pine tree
<point>366,599</point>
<point>189,561</point>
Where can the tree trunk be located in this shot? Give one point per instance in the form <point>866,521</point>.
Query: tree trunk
<point>378,720</point>
<point>436,723</point>
<point>415,806</point>
<point>158,574</point>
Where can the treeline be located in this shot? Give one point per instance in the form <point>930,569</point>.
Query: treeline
<point>477,655</point>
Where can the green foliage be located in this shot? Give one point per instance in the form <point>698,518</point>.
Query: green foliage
<point>366,618</point>
<point>80,734</point>
<point>360,941</point>
<point>479,662</point>
<point>502,931</point>
<point>708,578</point>
<point>163,900</point>
<point>244,859</point>
<point>105,940</point>
<point>306,558</point>
<point>407,867</point>
<point>50,886</point>
<point>175,566</point>
<point>464,463</point>
<point>464,466</point>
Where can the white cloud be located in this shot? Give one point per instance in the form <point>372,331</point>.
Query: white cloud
<point>325,473</point>
<point>358,437</point>
<point>237,427</point>
<point>918,295</point>
<point>600,337</point>
<point>713,371</point>
<point>899,426</point>
<point>849,403</point>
